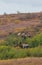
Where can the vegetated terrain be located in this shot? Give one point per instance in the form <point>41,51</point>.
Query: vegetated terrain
<point>17,29</point>
<point>21,22</point>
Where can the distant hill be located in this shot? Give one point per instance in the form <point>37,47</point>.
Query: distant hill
<point>20,22</point>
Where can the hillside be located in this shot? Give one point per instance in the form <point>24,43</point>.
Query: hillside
<point>20,35</point>
<point>20,22</point>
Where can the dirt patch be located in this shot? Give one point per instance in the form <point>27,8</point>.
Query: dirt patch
<point>23,61</point>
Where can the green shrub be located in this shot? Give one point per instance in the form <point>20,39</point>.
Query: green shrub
<point>35,41</point>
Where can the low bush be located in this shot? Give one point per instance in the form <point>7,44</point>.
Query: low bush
<point>35,41</point>
<point>14,40</point>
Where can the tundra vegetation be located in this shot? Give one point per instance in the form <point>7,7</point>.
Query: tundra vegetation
<point>17,29</point>
<point>9,47</point>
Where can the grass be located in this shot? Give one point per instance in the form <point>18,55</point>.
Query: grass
<point>7,52</point>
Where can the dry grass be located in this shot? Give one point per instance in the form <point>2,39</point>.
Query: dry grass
<point>19,29</point>
<point>23,61</point>
<point>17,21</point>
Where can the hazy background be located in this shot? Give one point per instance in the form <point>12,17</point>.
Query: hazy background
<point>12,6</point>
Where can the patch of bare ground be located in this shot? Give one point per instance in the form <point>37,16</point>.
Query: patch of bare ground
<point>23,61</point>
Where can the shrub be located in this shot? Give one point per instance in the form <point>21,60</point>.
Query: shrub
<point>35,41</point>
<point>14,40</point>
